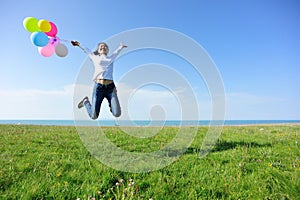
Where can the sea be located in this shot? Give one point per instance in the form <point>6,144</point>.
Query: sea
<point>147,122</point>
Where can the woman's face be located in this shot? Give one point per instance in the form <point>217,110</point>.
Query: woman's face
<point>103,49</point>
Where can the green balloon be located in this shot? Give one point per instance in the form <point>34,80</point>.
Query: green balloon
<point>31,24</point>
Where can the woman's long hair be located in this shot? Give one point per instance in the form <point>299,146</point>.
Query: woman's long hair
<point>96,52</point>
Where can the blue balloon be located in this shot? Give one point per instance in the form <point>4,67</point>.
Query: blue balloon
<point>39,39</point>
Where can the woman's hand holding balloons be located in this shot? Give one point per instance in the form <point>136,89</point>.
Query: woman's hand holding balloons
<point>75,43</point>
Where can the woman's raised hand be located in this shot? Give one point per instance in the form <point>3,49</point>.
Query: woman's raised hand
<point>75,43</point>
<point>123,46</point>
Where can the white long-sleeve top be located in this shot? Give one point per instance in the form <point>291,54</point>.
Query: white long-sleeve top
<point>103,64</point>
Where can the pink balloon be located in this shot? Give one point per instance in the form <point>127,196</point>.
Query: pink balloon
<point>53,30</point>
<point>47,50</point>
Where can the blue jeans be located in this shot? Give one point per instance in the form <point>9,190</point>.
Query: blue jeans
<point>99,93</point>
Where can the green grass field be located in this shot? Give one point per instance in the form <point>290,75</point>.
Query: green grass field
<point>248,162</point>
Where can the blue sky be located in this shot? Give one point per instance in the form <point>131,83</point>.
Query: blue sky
<point>254,44</point>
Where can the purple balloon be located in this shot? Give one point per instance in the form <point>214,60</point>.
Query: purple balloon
<point>54,40</point>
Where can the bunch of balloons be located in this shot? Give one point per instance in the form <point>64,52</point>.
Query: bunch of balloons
<point>43,35</point>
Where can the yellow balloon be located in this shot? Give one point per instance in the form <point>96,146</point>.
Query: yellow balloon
<point>44,25</point>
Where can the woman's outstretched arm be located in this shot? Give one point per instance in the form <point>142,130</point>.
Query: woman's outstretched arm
<point>76,43</point>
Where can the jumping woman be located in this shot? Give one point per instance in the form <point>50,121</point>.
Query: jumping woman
<point>104,86</point>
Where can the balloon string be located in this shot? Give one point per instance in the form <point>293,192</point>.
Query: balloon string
<point>64,40</point>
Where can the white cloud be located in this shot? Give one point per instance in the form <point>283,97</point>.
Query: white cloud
<point>157,104</point>
<point>141,103</point>
<point>36,104</point>
<point>250,106</point>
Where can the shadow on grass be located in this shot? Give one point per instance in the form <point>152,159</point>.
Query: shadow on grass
<point>220,146</point>
<point>228,145</point>
<point>225,145</point>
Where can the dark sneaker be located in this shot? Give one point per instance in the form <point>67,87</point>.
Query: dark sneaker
<point>81,103</point>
